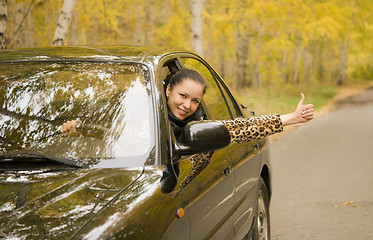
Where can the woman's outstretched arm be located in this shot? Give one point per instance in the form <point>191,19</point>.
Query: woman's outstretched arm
<point>246,129</point>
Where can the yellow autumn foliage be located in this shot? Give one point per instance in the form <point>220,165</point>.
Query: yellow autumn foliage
<point>287,40</point>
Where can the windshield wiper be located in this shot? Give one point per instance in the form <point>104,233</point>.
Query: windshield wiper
<point>30,155</point>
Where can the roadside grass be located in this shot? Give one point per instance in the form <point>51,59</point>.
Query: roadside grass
<point>284,98</point>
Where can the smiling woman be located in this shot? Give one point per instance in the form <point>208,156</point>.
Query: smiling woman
<point>184,98</point>
<point>185,90</point>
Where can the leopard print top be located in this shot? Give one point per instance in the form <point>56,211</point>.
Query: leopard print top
<point>246,129</point>
<point>241,130</point>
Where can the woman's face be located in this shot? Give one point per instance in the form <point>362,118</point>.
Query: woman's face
<point>184,98</point>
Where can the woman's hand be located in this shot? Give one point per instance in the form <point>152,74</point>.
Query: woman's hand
<point>303,113</point>
<point>176,193</point>
<point>70,126</point>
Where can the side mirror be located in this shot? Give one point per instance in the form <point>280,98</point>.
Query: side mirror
<point>204,136</point>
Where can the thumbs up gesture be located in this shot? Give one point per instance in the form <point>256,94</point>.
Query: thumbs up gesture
<point>303,113</point>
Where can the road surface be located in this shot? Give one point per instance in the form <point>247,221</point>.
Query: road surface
<point>323,176</point>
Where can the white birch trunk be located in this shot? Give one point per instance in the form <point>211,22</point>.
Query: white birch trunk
<point>150,22</point>
<point>3,19</point>
<point>19,36</point>
<point>320,61</point>
<point>63,22</point>
<point>242,49</point>
<point>297,56</point>
<point>196,26</point>
<point>341,77</point>
<point>307,66</point>
<point>257,75</point>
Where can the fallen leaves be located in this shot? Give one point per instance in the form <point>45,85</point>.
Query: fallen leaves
<point>346,203</point>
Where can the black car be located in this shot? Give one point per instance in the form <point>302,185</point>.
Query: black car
<point>114,177</point>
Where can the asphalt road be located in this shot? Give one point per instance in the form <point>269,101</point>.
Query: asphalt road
<point>323,176</point>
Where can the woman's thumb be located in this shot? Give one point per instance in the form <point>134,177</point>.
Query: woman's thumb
<point>301,101</point>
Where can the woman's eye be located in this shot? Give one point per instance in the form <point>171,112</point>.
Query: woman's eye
<point>182,95</point>
<point>196,101</point>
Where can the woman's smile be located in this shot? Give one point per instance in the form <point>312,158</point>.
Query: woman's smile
<point>182,112</point>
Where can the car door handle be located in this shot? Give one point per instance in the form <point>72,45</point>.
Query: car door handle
<point>256,148</point>
<point>227,171</point>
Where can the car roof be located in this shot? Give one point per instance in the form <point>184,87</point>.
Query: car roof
<point>99,53</point>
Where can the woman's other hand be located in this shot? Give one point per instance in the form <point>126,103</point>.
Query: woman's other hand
<point>303,113</point>
<point>70,126</point>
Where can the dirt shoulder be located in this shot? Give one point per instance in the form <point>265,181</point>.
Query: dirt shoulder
<point>342,95</point>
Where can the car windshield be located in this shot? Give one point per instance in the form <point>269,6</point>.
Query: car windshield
<point>112,100</point>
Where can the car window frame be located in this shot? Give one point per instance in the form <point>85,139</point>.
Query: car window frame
<point>211,82</point>
<point>237,111</point>
<point>165,152</point>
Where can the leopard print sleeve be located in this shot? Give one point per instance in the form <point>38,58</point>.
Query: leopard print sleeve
<point>241,130</point>
<point>200,162</point>
<point>246,129</point>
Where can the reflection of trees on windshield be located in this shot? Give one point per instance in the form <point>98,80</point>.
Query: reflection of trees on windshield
<point>36,98</point>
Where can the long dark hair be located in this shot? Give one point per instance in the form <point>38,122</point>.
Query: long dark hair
<point>174,79</point>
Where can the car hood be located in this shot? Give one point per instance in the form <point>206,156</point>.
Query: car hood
<point>48,205</point>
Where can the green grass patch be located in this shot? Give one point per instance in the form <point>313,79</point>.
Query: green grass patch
<point>284,98</point>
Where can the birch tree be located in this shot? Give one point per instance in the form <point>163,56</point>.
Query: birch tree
<point>63,22</point>
<point>242,43</point>
<point>3,19</point>
<point>19,13</point>
<point>341,75</point>
<point>251,43</point>
<point>196,26</point>
<point>150,22</point>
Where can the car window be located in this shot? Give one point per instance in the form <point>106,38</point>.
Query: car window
<point>112,100</point>
<point>229,100</point>
<point>168,68</point>
<point>214,103</point>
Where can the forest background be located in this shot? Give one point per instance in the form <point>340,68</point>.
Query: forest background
<point>268,51</point>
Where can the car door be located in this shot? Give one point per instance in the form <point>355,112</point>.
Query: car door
<point>244,157</point>
<point>210,194</point>
<point>246,161</point>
